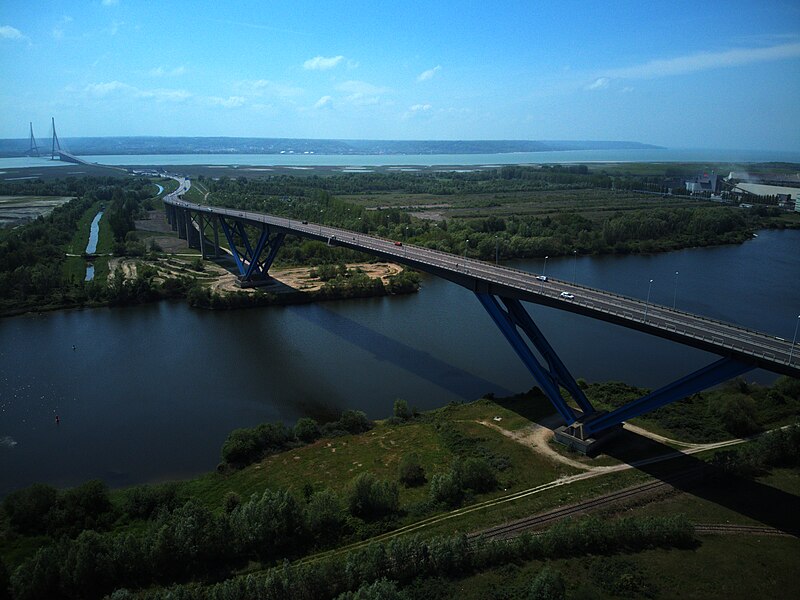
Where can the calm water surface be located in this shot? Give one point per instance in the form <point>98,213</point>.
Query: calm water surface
<point>379,160</point>
<point>150,393</point>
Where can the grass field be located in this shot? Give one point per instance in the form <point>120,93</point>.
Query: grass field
<point>591,203</point>
<point>728,567</point>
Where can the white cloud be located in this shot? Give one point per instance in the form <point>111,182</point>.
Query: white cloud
<point>704,61</point>
<point>324,101</point>
<point>229,102</point>
<point>417,109</point>
<point>105,88</point>
<point>265,87</point>
<point>600,83</point>
<point>165,72</point>
<point>110,87</point>
<point>426,75</point>
<point>10,33</point>
<point>321,63</point>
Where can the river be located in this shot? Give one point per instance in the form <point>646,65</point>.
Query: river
<point>149,393</point>
<point>702,155</point>
<point>91,247</point>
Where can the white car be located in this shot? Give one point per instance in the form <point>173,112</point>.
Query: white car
<point>567,295</point>
<point>541,277</point>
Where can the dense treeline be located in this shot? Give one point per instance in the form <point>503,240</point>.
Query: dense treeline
<point>736,409</point>
<point>313,199</point>
<point>381,569</point>
<point>248,445</point>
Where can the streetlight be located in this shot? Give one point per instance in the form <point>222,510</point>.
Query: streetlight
<point>794,339</point>
<point>646,304</point>
<point>466,245</point>
<point>675,293</point>
<point>544,273</point>
<point>320,222</point>
<point>574,266</point>
<point>496,250</point>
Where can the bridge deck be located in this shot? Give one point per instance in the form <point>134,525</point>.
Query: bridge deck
<point>725,339</point>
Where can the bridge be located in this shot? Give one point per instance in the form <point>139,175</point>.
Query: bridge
<point>501,290</point>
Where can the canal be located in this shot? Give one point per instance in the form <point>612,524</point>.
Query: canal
<point>149,393</point>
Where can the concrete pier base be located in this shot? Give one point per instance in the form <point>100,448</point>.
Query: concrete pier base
<point>573,437</point>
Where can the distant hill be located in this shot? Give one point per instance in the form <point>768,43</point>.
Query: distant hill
<point>236,145</point>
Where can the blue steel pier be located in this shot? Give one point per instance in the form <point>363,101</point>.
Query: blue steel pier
<point>253,240</point>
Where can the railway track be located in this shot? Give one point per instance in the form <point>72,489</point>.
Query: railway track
<point>519,526</point>
<point>727,528</point>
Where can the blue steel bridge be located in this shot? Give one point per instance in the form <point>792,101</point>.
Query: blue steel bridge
<point>253,240</point>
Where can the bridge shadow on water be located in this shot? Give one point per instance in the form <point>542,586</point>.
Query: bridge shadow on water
<point>422,364</point>
<point>742,495</point>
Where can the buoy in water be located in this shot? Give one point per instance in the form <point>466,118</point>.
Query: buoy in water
<point>58,420</point>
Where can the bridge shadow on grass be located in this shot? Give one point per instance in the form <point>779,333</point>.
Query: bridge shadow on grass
<point>745,496</point>
<point>455,380</point>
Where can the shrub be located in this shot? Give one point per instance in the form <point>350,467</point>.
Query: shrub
<point>144,501</point>
<point>354,421</point>
<point>369,498</point>
<point>411,473</point>
<point>548,585</point>
<point>27,508</point>
<point>231,502</point>
<point>446,489</point>
<point>324,514</point>
<point>477,475</point>
<point>401,410</point>
<point>307,430</point>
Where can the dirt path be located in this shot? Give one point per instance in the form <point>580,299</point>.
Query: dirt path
<point>537,436</point>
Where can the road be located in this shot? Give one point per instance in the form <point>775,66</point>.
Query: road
<point>725,339</point>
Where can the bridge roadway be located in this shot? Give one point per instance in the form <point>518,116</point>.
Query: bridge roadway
<point>724,339</point>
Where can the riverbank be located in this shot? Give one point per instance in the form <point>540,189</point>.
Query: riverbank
<point>460,468</point>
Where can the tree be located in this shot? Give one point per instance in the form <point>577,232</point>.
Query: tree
<point>324,514</point>
<point>446,489</point>
<point>401,410</point>
<point>548,585</point>
<point>27,509</point>
<point>368,498</point>
<point>307,430</point>
<point>477,475</point>
<point>355,421</point>
<point>411,472</point>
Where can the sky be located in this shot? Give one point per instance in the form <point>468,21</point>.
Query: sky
<point>678,74</point>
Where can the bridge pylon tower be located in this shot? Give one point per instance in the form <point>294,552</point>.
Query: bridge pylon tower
<point>33,149</point>
<point>56,143</point>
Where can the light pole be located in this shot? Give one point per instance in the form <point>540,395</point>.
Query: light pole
<point>675,293</point>
<point>466,245</point>
<point>647,303</point>
<point>496,250</point>
<point>320,222</point>
<point>544,274</point>
<point>574,266</point>
<point>794,339</point>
